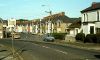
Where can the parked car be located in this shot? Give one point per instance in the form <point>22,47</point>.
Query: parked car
<point>17,35</point>
<point>33,33</point>
<point>48,38</point>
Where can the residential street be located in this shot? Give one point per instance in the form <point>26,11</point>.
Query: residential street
<point>31,50</point>
<point>50,30</point>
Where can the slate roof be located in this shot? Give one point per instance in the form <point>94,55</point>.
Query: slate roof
<point>94,6</point>
<point>76,24</point>
<point>4,22</point>
<point>22,22</point>
<point>60,16</point>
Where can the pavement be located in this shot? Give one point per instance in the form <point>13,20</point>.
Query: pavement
<point>6,53</point>
<point>81,45</point>
<point>86,46</point>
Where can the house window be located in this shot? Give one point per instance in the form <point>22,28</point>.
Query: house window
<point>91,29</point>
<point>98,30</point>
<point>47,23</point>
<point>76,31</point>
<point>87,16</point>
<point>84,17</point>
<point>59,24</point>
<point>97,15</point>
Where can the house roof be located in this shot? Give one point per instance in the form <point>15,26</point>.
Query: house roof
<point>76,24</point>
<point>94,6</point>
<point>22,22</point>
<point>4,22</point>
<point>60,16</point>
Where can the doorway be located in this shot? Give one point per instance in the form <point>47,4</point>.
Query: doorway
<point>91,29</point>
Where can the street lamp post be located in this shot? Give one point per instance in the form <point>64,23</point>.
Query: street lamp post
<point>12,43</point>
<point>50,22</point>
<point>50,13</point>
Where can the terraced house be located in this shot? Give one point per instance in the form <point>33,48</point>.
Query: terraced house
<point>23,25</point>
<point>1,30</point>
<point>3,27</point>
<point>91,19</point>
<point>56,23</point>
<point>11,25</point>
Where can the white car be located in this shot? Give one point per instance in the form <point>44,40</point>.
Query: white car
<point>49,38</point>
<point>17,35</point>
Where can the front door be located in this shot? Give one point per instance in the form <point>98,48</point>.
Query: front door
<point>91,29</point>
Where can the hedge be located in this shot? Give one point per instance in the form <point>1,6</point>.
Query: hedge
<point>80,37</point>
<point>59,35</point>
<point>98,37</point>
<point>93,38</point>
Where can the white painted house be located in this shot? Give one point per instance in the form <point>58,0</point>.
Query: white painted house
<point>91,19</point>
<point>74,28</point>
<point>11,24</point>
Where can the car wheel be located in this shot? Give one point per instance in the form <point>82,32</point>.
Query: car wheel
<point>52,40</point>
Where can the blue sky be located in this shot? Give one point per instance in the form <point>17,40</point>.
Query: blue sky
<point>33,9</point>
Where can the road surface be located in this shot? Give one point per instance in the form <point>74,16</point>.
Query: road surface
<point>46,51</point>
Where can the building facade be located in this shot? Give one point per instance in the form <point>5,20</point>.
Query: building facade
<point>91,19</point>
<point>1,30</point>
<point>23,25</point>
<point>75,28</point>
<point>11,25</point>
<point>56,23</point>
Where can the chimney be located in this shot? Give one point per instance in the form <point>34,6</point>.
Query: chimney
<point>62,13</point>
<point>94,4</point>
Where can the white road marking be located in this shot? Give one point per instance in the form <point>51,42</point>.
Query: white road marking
<point>45,47</point>
<point>61,51</point>
<point>87,59</point>
<point>56,50</point>
<point>35,44</point>
<point>52,48</point>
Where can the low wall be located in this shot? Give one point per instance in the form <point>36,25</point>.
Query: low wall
<point>70,38</point>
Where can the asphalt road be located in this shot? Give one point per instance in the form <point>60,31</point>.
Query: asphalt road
<point>28,49</point>
<point>47,51</point>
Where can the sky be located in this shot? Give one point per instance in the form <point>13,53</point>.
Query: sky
<point>34,9</point>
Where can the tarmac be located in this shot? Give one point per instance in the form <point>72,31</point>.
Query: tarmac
<point>6,53</point>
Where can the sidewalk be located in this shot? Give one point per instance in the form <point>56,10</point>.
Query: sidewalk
<point>6,53</point>
<point>86,46</point>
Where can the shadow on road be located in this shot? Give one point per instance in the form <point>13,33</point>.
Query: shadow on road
<point>3,50</point>
<point>97,56</point>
